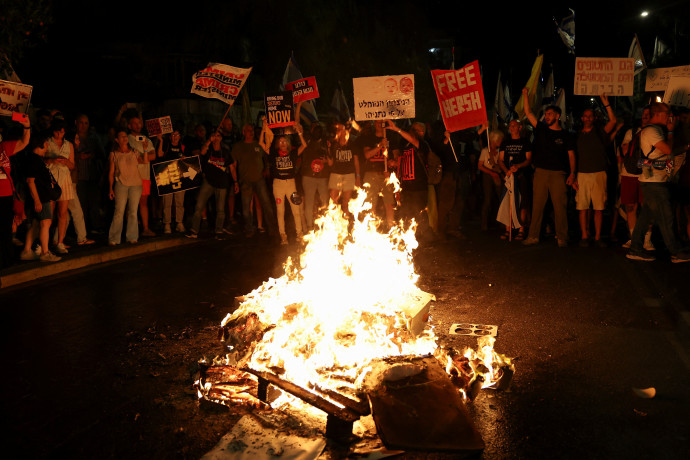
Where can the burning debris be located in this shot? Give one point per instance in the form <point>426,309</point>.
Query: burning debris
<point>345,329</point>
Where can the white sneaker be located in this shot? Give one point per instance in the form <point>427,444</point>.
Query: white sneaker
<point>28,255</point>
<point>180,227</point>
<point>60,249</point>
<point>648,242</point>
<point>49,257</point>
<point>167,229</point>
<point>627,245</point>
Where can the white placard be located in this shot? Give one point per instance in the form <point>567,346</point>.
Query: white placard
<point>613,76</point>
<point>384,97</point>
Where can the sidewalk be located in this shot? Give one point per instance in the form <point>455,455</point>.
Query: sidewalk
<point>85,256</point>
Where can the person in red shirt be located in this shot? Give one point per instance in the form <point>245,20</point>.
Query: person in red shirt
<point>7,188</point>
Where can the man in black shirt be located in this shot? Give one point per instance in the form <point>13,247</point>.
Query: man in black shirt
<point>553,158</point>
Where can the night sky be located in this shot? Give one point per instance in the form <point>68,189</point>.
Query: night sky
<point>96,58</point>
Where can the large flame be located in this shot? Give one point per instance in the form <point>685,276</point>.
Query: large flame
<point>339,305</point>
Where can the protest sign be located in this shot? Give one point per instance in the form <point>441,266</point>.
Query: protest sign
<point>14,97</point>
<point>678,91</point>
<point>613,76</point>
<point>279,111</point>
<point>461,96</point>
<point>657,79</point>
<point>303,90</point>
<point>177,175</point>
<point>220,81</point>
<point>385,97</point>
<point>157,126</point>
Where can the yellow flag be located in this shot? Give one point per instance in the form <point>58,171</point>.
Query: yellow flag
<point>532,84</point>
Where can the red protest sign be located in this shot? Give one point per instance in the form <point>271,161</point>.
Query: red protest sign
<point>158,126</point>
<point>303,90</point>
<point>461,96</point>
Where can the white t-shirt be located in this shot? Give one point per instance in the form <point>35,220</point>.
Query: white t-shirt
<point>626,140</point>
<point>488,160</point>
<point>651,135</point>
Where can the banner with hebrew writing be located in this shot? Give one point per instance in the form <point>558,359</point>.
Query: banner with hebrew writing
<point>612,76</point>
<point>386,97</point>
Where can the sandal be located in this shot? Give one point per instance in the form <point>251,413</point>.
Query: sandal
<point>505,236</point>
<point>520,235</point>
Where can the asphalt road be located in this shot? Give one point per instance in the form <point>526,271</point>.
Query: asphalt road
<point>585,326</point>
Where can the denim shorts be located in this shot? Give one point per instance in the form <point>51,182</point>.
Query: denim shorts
<point>45,214</point>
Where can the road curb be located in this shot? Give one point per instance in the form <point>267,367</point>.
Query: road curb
<point>102,255</point>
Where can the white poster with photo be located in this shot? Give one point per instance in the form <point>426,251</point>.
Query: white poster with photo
<point>612,76</point>
<point>657,79</point>
<point>385,97</point>
<point>678,91</point>
<point>14,97</point>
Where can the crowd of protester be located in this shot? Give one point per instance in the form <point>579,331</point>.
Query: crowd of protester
<point>54,171</point>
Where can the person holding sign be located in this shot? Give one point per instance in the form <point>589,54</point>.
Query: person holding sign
<point>592,162</point>
<point>172,149</point>
<point>344,164</point>
<point>376,166</point>
<point>218,167</point>
<point>282,159</point>
<point>554,161</point>
<point>411,163</point>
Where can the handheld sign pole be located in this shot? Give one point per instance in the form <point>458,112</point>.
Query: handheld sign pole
<point>385,152</point>
<point>226,114</point>
<point>450,141</point>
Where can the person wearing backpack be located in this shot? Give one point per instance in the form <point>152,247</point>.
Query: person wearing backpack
<point>656,206</point>
<point>592,163</point>
<point>631,193</point>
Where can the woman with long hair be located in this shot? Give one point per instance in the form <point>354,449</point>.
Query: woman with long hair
<point>125,188</point>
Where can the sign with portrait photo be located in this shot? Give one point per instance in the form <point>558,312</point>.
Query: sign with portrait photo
<point>385,97</point>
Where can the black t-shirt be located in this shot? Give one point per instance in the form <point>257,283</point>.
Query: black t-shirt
<point>377,162</point>
<point>314,163</point>
<point>550,149</point>
<point>283,166</point>
<point>515,151</point>
<point>343,158</point>
<point>173,152</point>
<point>591,151</point>
<point>411,168</point>
<point>35,167</point>
<point>217,167</point>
